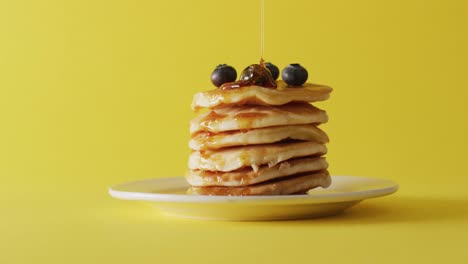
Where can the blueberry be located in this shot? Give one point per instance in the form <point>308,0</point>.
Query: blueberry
<point>273,69</point>
<point>294,74</point>
<point>223,73</point>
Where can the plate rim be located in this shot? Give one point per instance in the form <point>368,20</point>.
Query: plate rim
<point>303,198</point>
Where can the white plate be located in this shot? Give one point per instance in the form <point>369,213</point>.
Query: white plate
<point>168,195</point>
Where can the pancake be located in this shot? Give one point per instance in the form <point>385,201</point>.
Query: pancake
<point>250,117</point>
<point>206,140</point>
<point>257,95</point>
<point>291,185</point>
<point>234,158</point>
<point>247,176</point>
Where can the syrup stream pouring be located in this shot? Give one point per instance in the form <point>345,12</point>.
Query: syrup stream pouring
<point>262,28</point>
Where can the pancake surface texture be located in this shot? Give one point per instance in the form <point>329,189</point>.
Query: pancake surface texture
<point>250,117</point>
<point>257,95</point>
<point>248,176</point>
<point>291,185</point>
<point>206,140</point>
<point>234,158</point>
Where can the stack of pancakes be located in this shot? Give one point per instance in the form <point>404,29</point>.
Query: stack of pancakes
<point>258,141</point>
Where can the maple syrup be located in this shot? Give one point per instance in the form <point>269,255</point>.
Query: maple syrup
<point>255,74</point>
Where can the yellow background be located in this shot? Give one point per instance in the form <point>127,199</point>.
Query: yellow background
<point>94,93</point>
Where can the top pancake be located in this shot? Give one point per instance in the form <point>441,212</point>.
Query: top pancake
<point>251,117</point>
<point>257,95</point>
